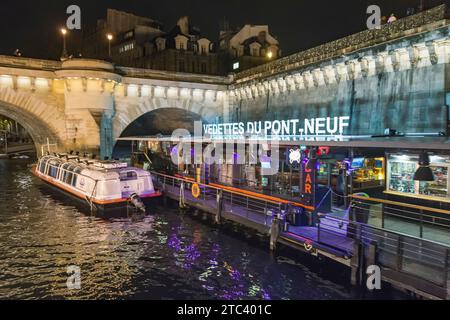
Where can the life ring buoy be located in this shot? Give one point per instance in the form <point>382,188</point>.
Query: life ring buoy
<point>308,246</point>
<point>195,190</point>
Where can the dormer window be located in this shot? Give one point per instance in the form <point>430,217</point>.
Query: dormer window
<point>255,49</point>
<point>160,44</point>
<point>204,45</point>
<point>181,42</point>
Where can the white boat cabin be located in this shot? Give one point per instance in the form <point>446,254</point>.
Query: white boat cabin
<point>101,180</point>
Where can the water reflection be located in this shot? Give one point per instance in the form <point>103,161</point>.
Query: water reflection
<point>163,256</point>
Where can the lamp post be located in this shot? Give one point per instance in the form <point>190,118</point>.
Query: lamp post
<point>64,53</point>
<point>110,37</point>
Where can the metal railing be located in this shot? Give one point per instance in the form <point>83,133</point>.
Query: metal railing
<point>253,208</point>
<point>423,222</point>
<point>420,258</point>
<point>396,251</point>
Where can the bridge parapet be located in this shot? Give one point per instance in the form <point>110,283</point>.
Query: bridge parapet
<point>432,19</point>
<point>414,52</point>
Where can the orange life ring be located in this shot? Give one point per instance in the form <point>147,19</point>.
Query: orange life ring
<point>195,190</point>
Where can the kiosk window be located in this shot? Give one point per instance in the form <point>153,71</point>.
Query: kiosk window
<point>438,187</point>
<point>401,177</point>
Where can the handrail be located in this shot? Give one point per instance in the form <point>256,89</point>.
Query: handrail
<point>204,185</point>
<point>349,222</point>
<point>256,195</point>
<point>407,205</point>
<point>249,194</point>
<point>349,44</point>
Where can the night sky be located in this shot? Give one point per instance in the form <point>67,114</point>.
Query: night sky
<point>32,26</point>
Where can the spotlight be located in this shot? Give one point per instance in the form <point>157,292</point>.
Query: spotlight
<point>424,172</point>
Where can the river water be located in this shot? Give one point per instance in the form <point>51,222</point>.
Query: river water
<point>166,255</point>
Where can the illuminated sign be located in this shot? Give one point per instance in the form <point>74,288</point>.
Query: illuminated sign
<point>294,127</point>
<point>323,151</point>
<point>308,179</point>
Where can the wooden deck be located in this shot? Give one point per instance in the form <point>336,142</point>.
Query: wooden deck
<point>327,240</point>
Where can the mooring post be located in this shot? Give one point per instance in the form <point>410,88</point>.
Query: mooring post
<point>219,199</point>
<point>447,274</point>
<point>274,232</point>
<point>164,195</point>
<point>356,264</point>
<point>181,200</point>
<point>371,258</point>
<point>357,261</point>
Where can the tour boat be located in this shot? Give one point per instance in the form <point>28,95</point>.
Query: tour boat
<point>106,187</point>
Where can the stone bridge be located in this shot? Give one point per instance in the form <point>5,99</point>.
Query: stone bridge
<point>394,77</point>
<point>84,104</point>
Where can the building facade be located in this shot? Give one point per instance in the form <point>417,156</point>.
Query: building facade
<point>248,47</point>
<point>141,42</point>
<point>123,26</point>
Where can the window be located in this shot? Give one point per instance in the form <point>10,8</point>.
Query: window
<point>43,164</point>
<point>203,66</point>
<point>401,170</point>
<point>128,175</point>
<point>53,166</point>
<point>129,35</point>
<point>255,52</point>
<point>401,175</point>
<point>127,47</point>
<point>438,187</point>
<point>70,174</point>
<point>76,171</point>
<point>160,44</point>
<point>204,51</point>
<point>65,173</point>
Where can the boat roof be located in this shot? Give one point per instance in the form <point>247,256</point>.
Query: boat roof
<point>98,169</point>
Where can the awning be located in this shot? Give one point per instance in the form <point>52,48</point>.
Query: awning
<point>422,142</point>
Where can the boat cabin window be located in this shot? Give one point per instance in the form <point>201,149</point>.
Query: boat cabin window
<point>53,168</point>
<point>42,164</point>
<point>66,176</point>
<point>77,170</point>
<point>128,175</point>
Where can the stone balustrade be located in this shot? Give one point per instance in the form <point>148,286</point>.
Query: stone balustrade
<point>418,23</point>
<point>370,63</point>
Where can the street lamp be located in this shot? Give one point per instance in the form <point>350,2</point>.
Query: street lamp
<point>270,54</point>
<point>110,37</point>
<point>64,53</point>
